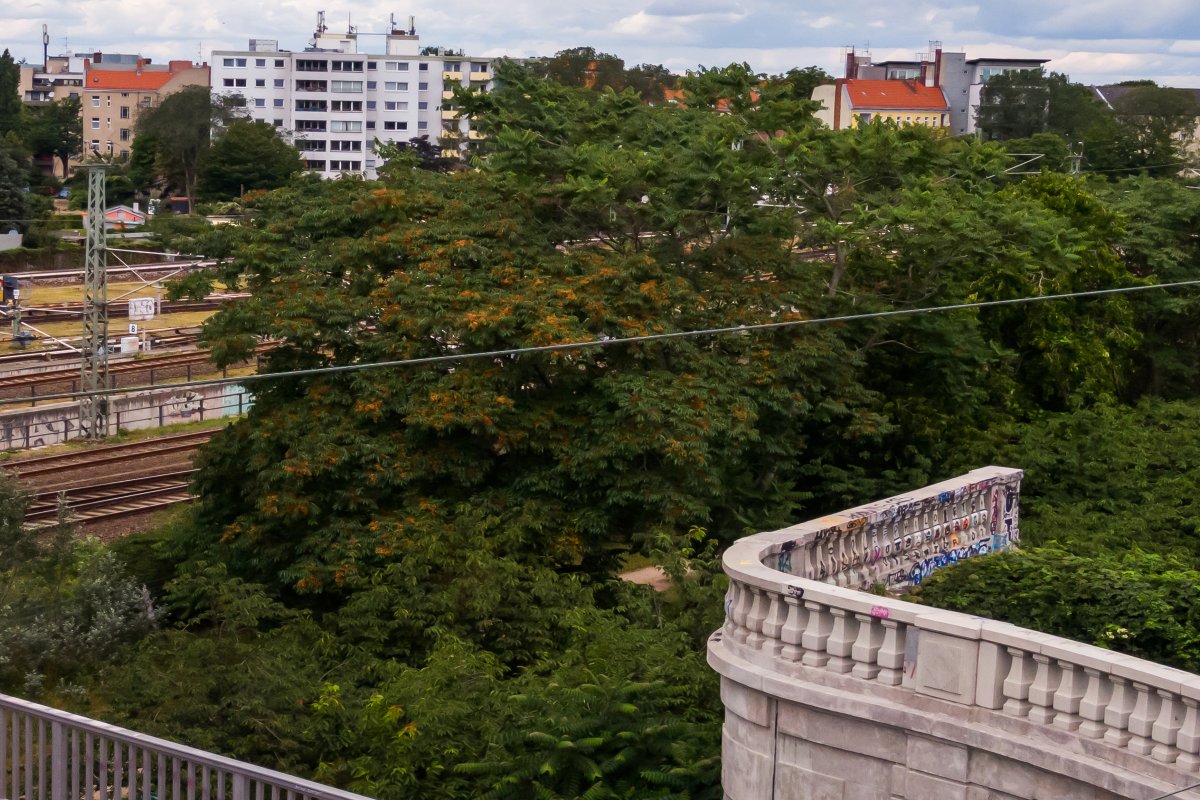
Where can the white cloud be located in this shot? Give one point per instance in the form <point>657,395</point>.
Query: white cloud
<point>1089,39</point>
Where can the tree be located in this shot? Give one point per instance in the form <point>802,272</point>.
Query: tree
<point>56,130</point>
<point>1158,123</point>
<point>180,129</point>
<point>248,156</point>
<point>14,199</point>
<point>1020,103</point>
<point>804,81</point>
<point>650,81</point>
<point>11,107</point>
<point>584,67</point>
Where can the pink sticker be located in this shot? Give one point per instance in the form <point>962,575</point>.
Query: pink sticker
<point>880,612</point>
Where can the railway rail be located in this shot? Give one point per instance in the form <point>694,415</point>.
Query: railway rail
<point>106,455</point>
<point>160,337</point>
<point>53,312</point>
<point>104,501</point>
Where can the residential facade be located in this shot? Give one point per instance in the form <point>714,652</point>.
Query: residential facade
<point>850,102</point>
<point>336,101</point>
<point>115,94</point>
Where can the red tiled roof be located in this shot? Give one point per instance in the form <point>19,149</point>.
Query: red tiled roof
<point>894,94</point>
<point>126,80</point>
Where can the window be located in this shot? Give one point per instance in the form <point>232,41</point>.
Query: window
<point>310,125</point>
<point>346,146</point>
<point>479,66</point>
<point>345,165</point>
<point>124,112</point>
<point>96,102</point>
<point>345,86</point>
<point>452,66</point>
<point>241,62</point>
<point>277,102</point>
<point>95,144</point>
<point>228,81</point>
<point>278,123</point>
<point>423,105</point>
<point>260,82</point>
<point>124,94</point>
<point>346,105</point>
<point>311,105</point>
<point>395,126</point>
<point>370,84</point>
<point>279,83</point>
<point>239,82</point>
<point>311,65</point>
<point>227,62</point>
<point>260,62</point>
<point>311,86</point>
<point>371,125</point>
<point>422,125</point>
<point>423,67</point>
<point>259,102</point>
<point>423,86</point>
<point>393,86</point>
<point>347,66</point>
<point>391,66</point>
<point>124,134</point>
<point>371,65</point>
<point>392,105</point>
<point>315,165</point>
<point>345,126</point>
<point>279,63</point>
<point>370,105</point>
<point>95,124</point>
<point>317,146</point>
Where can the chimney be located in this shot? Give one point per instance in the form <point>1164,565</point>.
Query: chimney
<point>937,67</point>
<point>850,64</point>
<point>97,57</point>
<point>838,87</point>
<point>924,71</point>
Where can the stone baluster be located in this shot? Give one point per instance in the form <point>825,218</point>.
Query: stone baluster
<point>891,654</point>
<point>1041,693</point>
<point>1166,727</point>
<point>741,609</point>
<point>1187,740</point>
<point>1142,719</point>
<point>773,624</point>
<point>1018,682</point>
<point>1095,700</point>
<point>816,634</point>
<point>756,618</point>
<point>841,641</point>
<point>793,629</point>
<point>866,647</point>
<point>1116,713</point>
<point>1068,696</point>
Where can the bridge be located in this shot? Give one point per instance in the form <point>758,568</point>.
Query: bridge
<point>47,754</point>
<point>836,690</point>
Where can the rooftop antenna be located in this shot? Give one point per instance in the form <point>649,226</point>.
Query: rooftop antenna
<point>321,23</point>
<point>45,47</point>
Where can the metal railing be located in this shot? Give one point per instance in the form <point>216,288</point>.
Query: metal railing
<point>47,754</point>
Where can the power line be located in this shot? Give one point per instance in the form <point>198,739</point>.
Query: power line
<point>607,342</point>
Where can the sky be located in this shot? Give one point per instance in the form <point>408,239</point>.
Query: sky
<point>1093,41</point>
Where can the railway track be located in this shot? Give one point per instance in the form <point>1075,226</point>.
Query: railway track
<point>161,338</point>
<point>53,312</point>
<point>104,501</point>
<point>71,375</point>
<point>106,455</point>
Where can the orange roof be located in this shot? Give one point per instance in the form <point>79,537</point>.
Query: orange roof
<point>895,94</point>
<point>126,80</point>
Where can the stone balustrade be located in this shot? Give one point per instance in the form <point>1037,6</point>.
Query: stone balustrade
<point>835,692</point>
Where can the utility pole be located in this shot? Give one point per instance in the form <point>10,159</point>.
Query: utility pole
<point>94,377</point>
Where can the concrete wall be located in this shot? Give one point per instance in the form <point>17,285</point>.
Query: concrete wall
<point>42,426</point>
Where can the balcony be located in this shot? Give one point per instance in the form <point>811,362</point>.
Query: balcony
<point>451,133</point>
<point>481,77</point>
<point>858,693</point>
<point>448,94</point>
<point>451,113</point>
<point>476,136</point>
<point>452,75</point>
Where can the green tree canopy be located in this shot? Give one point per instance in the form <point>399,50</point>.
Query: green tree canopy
<point>179,128</point>
<point>248,156</point>
<point>56,130</point>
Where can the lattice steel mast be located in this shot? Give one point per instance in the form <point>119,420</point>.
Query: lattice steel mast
<point>94,378</point>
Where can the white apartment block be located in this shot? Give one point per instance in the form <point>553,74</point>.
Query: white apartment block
<point>335,101</point>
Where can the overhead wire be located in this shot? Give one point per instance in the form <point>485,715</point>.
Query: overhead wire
<point>606,342</point>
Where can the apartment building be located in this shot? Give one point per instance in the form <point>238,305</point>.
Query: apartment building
<point>335,101</point>
<point>115,93</point>
<point>959,80</point>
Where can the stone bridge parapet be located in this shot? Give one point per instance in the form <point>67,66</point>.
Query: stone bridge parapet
<point>833,692</point>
